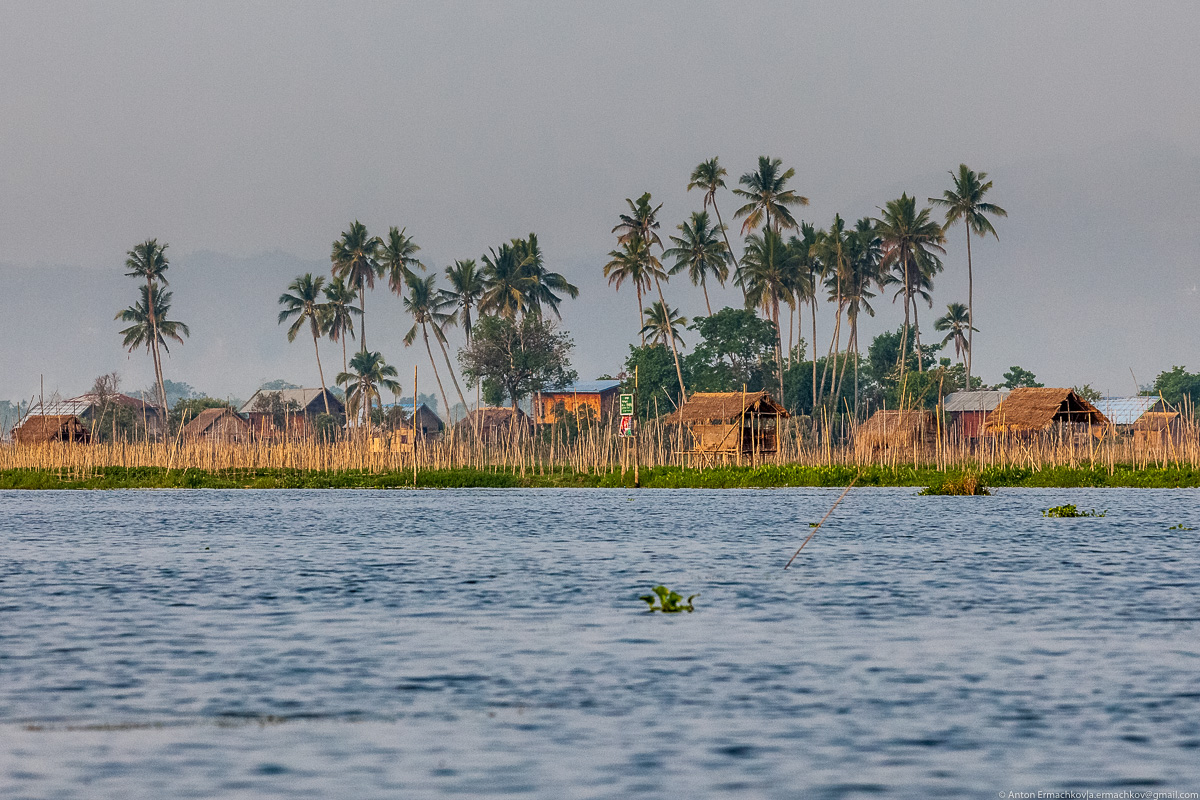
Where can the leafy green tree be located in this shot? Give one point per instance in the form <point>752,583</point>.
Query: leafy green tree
<point>150,328</point>
<point>764,275</point>
<point>630,263</point>
<point>700,252</point>
<point>148,261</point>
<point>302,302</point>
<point>466,288</point>
<point>910,242</point>
<point>956,324</point>
<point>355,258</point>
<point>657,380</point>
<point>397,258</point>
<point>768,200</point>
<point>709,176</point>
<point>736,349</point>
<point>965,203</point>
<point>516,358</point>
<point>1087,392</point>
<point>1016,378</point>
<point>367,375</point>
<point>662,323</point>
<point>427,306</point>
<point>886,368</point>
<point>1176,384</point>
<point>339,305</point>
<point>642,223</point>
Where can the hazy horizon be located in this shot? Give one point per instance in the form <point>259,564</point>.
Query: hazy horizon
<point>249,136</point>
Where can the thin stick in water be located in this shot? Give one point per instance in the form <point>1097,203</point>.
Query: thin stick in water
<point>822,522</point>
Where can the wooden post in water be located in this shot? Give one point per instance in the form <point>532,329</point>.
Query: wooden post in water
<point>637,478</point>
<point>414,435</point>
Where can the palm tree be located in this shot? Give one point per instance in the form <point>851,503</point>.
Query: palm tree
<point>700,252</point>
<point>466,287</point>
<point>629,264</point>
<point>508,286</point>
<point>710,176</point>
<point>355,259</point>
<point>865,255</point>
<point>149,260</point>
<point>804,281</point>
<point>965,202</point>
<point>957,322</point>
<point>151,328</point>
<point>367,374</point>
<point>833,250</point>
<point>397,259</point>
<point>302,301</point>
<point>768,198</point>
<point>339,299</point>
<point>545,283</point>
<point>910,240</point>
<point>427,306</point>
<point>764,276</point>
<point>663,323</point>
<point>642,222</point>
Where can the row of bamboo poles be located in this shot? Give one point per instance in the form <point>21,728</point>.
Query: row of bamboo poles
<point>599,449</point>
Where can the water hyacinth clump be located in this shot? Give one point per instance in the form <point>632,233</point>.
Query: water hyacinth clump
<point>967,484</point>
<point>1071,511</point>
<point>669,602</point>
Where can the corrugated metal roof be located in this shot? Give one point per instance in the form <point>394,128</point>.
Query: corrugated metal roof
<point>585,387</point>
<point>1125,410</point>
<point>984,400</point>
<point>301,397</point>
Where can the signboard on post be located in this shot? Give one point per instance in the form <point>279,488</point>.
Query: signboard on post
<point>626,426</point>
<point>626,405</point>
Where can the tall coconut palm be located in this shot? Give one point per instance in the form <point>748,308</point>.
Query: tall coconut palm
<point>957,323</point>
<point>806,278</point>
<point>642,222</point>
<point>368,373</point>
<point>865,255</point>
<point>302,300</point>
<point>339,303</point>
<point>768,199</point>
<point>910,240</point>
<point>965,203</point>
<point>710,176</point>
<point>148,261</point>
<point>427,306</point>
<point>663,324</point>
<point>355,259</point>
<point>629,263</point>
<point>151,328</point>
<point>700,252</point>
<point>764,275</point>
<point>508,287</point>
<point>466,288</point>
<point>545,283</point>
<point>397,258</point>
<point>833,248</point>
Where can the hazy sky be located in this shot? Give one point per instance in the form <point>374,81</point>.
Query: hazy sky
<point>248,135</point>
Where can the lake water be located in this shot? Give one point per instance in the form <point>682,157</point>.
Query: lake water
<point>359,644</point>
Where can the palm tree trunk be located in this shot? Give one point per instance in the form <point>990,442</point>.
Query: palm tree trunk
<point>641,331</point>
<point>917,336</point>
<point>970,308</point>
<point>812,306</point>
<point>778,346</point>
<point>728,246</point>
<point>674,351</point>
<point>362,316</point>
<point>854,344</point>
<point>320,371</point>
<point>432,363</point>
<point>156,355</point>
<point>904,341</point>
<point>707,304</point>
<point>345,368</point>
<point>450,367</point>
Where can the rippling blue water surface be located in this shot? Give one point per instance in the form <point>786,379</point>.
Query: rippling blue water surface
<point>427,644</point>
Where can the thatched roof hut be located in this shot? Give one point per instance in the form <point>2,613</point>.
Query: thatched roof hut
<point>725,407</point>
<point>1158,428</point>
<point>730,423</point>
<point>221,424</point>
<point>491,422</point>
<point>51,428</point>
<point>1028,410</point>
<point>889,428</point>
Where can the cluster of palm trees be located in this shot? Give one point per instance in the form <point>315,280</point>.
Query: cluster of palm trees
<point>900,249</point>
<point>512,281</point>
<point>149,326</point>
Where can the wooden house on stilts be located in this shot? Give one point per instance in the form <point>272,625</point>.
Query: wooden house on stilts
<point>730,427</point>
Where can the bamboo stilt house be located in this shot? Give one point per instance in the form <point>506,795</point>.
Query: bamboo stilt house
<point>895,429</point>
<point>724,424</point>
<point>492,423</point>
<point>221,424</point>
<point>1158,429</point>
<point>1030,411</point>
<point>51,428</point>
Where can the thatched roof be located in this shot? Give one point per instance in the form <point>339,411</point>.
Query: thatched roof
<point>1029,410</point>
<point>51,428</point>
<point>211,420</point>
<point>1155,421</point>
<point>726,407</point>
<point>895,428</point>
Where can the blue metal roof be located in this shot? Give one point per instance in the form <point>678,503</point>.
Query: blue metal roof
<point>1125,410</point>
<point>585,387</point>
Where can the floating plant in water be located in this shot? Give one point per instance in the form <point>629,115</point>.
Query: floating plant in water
<point>1072,511</point>
<point>669,602</point>
<point>1180,527</point>
<point>966,484</point>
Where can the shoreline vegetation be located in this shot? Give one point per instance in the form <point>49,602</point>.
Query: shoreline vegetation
<point>768,476</point>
